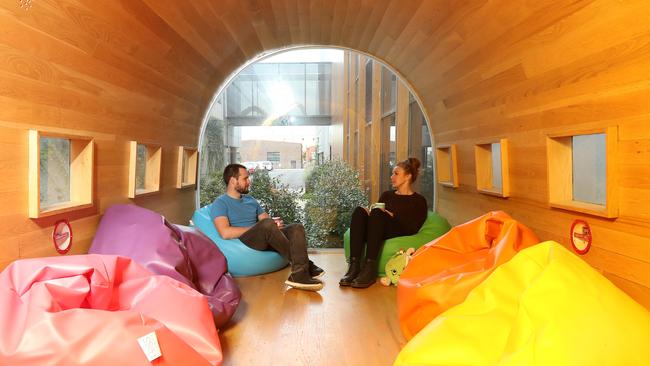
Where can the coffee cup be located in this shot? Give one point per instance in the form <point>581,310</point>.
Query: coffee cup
<point>278,221</point>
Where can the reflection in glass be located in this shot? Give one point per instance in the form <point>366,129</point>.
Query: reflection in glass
<point>589,169</point>
<point>186,164</point>
<point>275,90</point>
<point>140,167</point>
<point>497,183</point>
<point>54,171</point>
<point>369,91</point>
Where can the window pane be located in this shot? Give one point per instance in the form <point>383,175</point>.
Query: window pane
<point>140,167</point>
<point>589,169</point>
<point>273,156</point>
<point>366,155</point>
<point>292,69</point>
<point>387,151</point>
<point>312,98</point>
<point>420,147</point>
<point>388,91</point>
<point>240,98</point>
<point>54,171</point>
<point>369,91</point>
<point>496,166</point>
<point>264,69</point>
<point>186,163</point>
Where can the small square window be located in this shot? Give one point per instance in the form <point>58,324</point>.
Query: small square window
<point>187,160</point>
<point>581,171</point>
<point>144,169</point>
<point>60,173</point>
<point>492,173</point>
<point>447,165</point>
<point>589,168</point>
<point>273,156</point>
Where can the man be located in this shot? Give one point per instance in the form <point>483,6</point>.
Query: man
<point>238,215</point>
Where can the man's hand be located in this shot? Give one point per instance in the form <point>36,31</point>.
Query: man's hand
<point>278,222</point>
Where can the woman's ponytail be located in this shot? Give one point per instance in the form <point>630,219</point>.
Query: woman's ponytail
<point>411,166</point>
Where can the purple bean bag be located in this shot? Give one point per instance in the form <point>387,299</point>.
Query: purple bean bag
<point>180,252</point>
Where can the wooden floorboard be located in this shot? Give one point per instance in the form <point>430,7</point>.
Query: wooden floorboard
<point>275,325</point>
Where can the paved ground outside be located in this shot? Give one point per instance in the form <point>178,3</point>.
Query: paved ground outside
<point>294,178</point>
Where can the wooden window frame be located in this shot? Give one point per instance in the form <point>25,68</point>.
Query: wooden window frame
<point>82,174</point>
<point>483,160</point>
<point>192,160</point>
<point>559,149</point>
<point>152,170</point>
<point>447,165</point>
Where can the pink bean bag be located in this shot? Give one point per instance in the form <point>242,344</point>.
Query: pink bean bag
<point>91,310</point>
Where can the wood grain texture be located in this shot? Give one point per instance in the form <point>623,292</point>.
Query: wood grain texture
<point>335,326</point>
<point>146,70</point>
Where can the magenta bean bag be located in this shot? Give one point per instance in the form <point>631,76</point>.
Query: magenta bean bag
<point>180,252</point>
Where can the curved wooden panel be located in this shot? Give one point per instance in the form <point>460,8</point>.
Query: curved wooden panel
<point>146,70</point>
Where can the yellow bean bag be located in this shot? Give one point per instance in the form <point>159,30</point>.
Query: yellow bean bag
<point>544,307</point>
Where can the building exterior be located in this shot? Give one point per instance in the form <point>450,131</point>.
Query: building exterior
<point>283,155</point>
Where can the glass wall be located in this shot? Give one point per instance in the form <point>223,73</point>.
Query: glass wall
<point>388,132</point>
<point>321,95</point>
<point>368,91</point>
<point>280,89</point>
<point>419,143</point>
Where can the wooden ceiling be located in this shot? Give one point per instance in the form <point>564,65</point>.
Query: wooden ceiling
<point>182,51</point>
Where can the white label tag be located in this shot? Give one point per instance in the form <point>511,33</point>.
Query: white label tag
<point>150,347</point>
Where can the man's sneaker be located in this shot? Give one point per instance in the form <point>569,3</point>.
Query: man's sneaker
<point>303,281</point>
<point>315,271</point>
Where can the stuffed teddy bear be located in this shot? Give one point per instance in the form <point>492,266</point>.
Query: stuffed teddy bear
<point>395,266</point>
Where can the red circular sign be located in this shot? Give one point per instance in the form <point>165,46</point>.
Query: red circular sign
<point>62,236</point>
<point>580,236</point>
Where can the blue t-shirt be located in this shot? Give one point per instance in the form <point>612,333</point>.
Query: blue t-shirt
<point>241,212</point>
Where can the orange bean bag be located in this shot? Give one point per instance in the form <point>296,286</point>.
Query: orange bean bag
<point>444,271</point>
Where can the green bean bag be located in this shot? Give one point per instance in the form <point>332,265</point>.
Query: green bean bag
<point>433,227</point>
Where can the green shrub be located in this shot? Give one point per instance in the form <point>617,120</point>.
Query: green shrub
<point>211,187</point>
<point>334,191</point>
<point>276,198</point>
<point>311,176</point>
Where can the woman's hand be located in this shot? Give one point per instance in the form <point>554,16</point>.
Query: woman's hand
<point>388,212</point>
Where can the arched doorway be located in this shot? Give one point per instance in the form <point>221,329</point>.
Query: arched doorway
<point>359,110</point>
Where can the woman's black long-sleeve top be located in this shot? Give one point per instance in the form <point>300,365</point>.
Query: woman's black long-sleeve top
<point>409,211</point>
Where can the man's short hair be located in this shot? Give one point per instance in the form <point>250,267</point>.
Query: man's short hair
<point>231,171</point>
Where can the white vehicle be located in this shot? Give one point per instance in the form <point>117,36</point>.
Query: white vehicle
<point>266,165</point>
<point>250,165</point>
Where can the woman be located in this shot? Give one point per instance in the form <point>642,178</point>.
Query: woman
<point>403,214</point>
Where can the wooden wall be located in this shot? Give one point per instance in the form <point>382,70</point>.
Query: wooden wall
<point>99,71</point>
<point>146,69</point>
<point>541,70</point>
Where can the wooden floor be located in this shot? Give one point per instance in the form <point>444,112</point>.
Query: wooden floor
<point>275,325</point>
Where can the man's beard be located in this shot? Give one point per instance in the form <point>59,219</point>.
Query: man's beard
<point>241,190</point>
